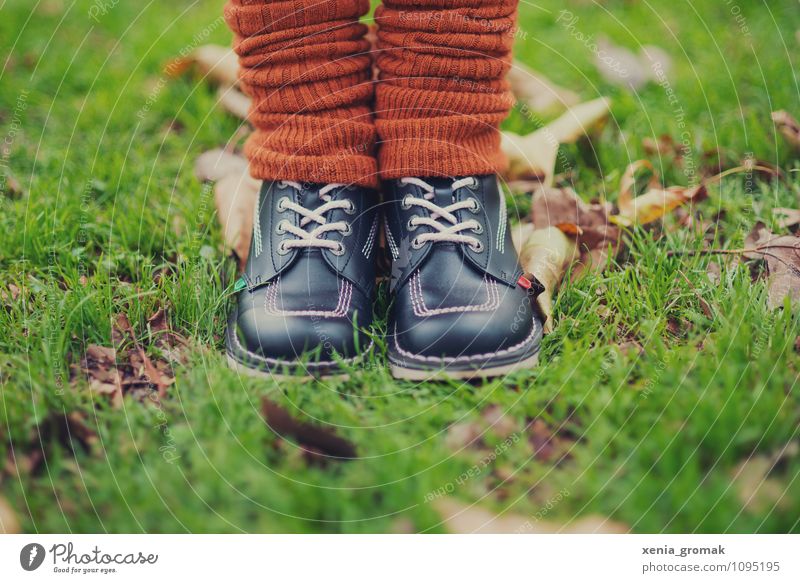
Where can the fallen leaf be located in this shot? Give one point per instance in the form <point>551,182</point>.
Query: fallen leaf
<point>10,186</point>
<point>65,430</point>
<point>758,488</point>
<point>459,518</point>
<point>588,224</point>
<point>534,156</point>
<point>217,63</point>
<point>546,254</point>
<point>782,255</point>
<point>142,365</point>
<point>8,519</point>
<point>234,101</point>
<point>499,421</point>
<point>786,218</point>
<point>538,93</point>
<point>235,195</point>
<point>319,443</point>
<point>788,126</point>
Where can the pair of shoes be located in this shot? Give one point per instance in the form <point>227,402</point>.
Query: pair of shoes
<point>461,306</point>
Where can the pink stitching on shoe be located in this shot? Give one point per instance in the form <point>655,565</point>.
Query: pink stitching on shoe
<point>454,359</point>
<point>271,303</point>
<point>421,310</point>
<point>295,362</point>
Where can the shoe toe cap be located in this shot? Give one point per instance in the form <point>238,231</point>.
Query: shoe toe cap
<point>288,338</point>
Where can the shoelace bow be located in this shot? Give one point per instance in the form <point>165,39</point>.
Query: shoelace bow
<point>312,239</point>
<point>442,232</point>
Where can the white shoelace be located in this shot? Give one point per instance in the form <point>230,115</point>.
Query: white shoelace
<point>312,239</point>
<point>442,232</point>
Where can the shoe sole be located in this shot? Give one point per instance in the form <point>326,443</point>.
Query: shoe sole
<point>414,374</point>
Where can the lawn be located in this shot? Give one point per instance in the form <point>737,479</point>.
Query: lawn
<point>666,399</point>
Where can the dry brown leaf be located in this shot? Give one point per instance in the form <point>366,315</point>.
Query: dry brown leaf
<point>537,92</point>
<point>757,489</point>
<point>546,254</point>
<point>788,126</point>
<point>235,194</point>
<point>10,186</point>
<point>8,519</point>
<point>216,62</point>
<point>319,444</point>
<point>142,365</point>
<point>234,101</point>
<point>463,519</point>
<point>782,255</point>
<point>534,156</point>
<point>786,217</point>
<point>588,224</point>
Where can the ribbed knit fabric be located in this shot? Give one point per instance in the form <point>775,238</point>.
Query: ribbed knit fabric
<point>442,91</point>
<point>439,100</point>
<point>308,68</point>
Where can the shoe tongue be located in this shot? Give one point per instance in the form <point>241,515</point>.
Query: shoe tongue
<point>443,190</point>
<point>309,198</point>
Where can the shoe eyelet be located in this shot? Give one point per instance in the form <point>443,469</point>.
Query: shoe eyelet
<point>411,225</point>
<point>351,209</point>
<point>348,230</point>
<point>281,228</point>
<point>281,206</point>
<point>340,250</point>
<point>478,230</point>
<point>478,248</point>
<point>476,206</point>
<point>404,204</point>
<point>474,185</point>
<point>416,244</point>
<point>283,249</point>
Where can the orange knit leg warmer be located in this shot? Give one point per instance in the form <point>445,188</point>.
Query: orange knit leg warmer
<point>308,68</point>
<point>442,92</point>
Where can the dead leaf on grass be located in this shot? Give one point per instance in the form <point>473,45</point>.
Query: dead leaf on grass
<point>319,444</point>
<point>534,156</point>
<point>215,62</point>
<point>8,518</point>
<point>69,431</point>
<point>546,254</point>
<point>758,485</point>
<point>782,256</point>
<point>786,218</point>
<point>537,92</point>
<point>235,194</point>
<point>460,518</point>
<point>788,126</point>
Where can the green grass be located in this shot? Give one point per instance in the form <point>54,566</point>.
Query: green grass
<point>658,402</point>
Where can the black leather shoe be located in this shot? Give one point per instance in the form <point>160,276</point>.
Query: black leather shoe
<point>462,306</point>
<point>307,290</point>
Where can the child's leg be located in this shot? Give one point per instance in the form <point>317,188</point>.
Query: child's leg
<point>307,66</point>
<point>442,92</point>
<point>460,302</point>
<point>309,283</point>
